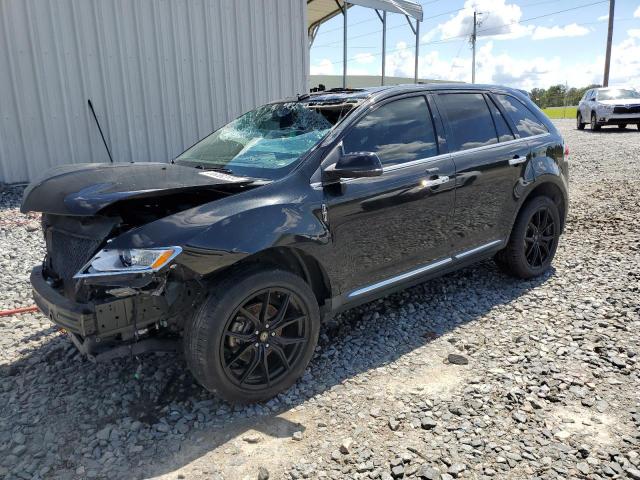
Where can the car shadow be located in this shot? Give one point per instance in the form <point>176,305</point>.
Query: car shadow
<point>153,401</point>
<point>612,130</point>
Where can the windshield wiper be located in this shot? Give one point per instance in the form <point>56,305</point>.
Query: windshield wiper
<point>202,166</point>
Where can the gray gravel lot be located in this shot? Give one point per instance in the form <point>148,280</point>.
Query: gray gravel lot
<point>550,390</point>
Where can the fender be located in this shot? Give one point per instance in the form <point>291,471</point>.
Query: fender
<point>220,233</point>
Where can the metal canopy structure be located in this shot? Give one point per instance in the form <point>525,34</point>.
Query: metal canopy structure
<point>319,11</point>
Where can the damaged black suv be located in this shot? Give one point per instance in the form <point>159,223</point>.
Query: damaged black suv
<point>241,246</point>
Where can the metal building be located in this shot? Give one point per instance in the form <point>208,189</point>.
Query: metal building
<point>161,74</point>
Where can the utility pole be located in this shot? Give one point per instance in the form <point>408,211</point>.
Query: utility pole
<point>607,61</point>
<point>473,46</point>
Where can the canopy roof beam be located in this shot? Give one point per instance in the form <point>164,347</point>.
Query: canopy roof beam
<point>319,11</point>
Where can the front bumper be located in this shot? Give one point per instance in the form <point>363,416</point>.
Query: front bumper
<point>114,317</point>
<point>75,317</point>
<point>618,119</point>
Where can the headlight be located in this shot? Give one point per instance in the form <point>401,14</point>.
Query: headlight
<point>607,108</point>
<point>134,260</point>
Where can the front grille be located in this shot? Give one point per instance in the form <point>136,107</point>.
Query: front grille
<point>71,242</point>
<point>627,109</point>
<point>69,253</point>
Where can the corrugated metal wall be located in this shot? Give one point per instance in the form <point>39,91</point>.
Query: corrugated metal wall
<point>161,74</point>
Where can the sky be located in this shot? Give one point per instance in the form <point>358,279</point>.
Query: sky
<point>521,43</point>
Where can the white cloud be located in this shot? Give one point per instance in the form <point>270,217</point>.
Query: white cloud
<point>602,18</point>
<point>571,30</point>
<point>324,67</point>
<point>496,19</point>
<point>637,12</point>
<point>365,58</point>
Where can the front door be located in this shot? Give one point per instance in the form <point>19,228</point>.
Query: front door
<point>389,225</point>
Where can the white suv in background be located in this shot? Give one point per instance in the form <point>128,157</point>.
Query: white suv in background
<point>609,106</point>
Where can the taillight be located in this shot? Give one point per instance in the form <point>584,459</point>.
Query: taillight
<point>566,152</point>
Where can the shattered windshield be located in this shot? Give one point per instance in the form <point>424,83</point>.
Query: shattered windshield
<point>264,143</point>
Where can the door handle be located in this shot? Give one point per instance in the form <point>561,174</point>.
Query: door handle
<point>517,160</point>
<point>435,181</point>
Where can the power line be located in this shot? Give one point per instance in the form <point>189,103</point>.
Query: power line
<point>333,44</point>
<point>447,39</point>
<point>368,20</point>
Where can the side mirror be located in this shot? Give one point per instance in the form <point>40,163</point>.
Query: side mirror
<point>354,165</point>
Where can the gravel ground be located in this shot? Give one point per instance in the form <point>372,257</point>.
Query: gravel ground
<point>471,376</point>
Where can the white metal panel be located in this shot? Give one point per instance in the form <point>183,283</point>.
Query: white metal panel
<point>161,74</point>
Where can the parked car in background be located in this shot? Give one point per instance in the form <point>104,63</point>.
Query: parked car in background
<point>291,213</point>
<point>609,106</point>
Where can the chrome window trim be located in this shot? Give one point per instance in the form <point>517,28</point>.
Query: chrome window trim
<point>423,269</point>
<point>413,163</point>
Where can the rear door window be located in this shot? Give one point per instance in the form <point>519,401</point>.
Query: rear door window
<point>524,119</point>
<point>504,132</point>
<point>399,131</point>
<point>470,120</point>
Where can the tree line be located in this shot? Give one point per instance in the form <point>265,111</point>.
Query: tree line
<point>559,95</point>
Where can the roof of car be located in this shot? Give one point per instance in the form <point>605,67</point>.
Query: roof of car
<point>359,94</point>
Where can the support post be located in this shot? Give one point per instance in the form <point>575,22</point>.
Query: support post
<point>384,43</point>
<point>344,46</point>
<point>607,60</point>
<point>415,80</point>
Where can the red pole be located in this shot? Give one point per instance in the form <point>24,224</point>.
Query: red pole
<point>7,313</point>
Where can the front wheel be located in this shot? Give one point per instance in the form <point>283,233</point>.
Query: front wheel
<point>579,123</point>
<point>254,335</point>
<point>594,123</point>
<point>533,241</point>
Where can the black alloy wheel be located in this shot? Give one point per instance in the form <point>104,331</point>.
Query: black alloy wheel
<point>264,337</point>
<point>594,123</point>
<point>540,237</point>
<point>254,334</point>
<point>579,123</point>
<point>533,240</point>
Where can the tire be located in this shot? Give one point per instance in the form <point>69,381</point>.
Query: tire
<point>519,257</point>
<point>594,123</point>
<point>579,123</point>
<point>229,338</point>
<point>622,126</point>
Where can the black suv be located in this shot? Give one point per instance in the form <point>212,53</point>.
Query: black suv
<point>297,210</point>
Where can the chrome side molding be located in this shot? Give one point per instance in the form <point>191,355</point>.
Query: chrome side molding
<point>423,269</point>
<point>486,246</point>
<point>399,278</point>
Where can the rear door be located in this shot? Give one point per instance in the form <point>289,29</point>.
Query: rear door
<point>529,127</point>
<point>386,226</point>
<point>490,159</point>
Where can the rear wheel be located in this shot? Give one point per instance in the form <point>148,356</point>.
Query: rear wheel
<point>622,126</point>
<point>253,336</point>
<point>594,122</point>
<point>533,241</point>
<point>579,123</point>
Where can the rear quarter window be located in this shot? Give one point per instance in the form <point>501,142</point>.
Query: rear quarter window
<point>524,119</point>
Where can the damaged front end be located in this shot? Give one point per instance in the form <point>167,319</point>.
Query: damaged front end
<point>116,301</point>
<point>110,304</point>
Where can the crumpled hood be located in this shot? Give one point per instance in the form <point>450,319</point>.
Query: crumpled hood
<point>87,188</point>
